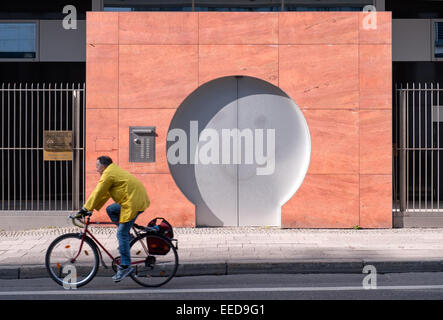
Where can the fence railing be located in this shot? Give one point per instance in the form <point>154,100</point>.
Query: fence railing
<point>417,149</point>
<point>28,180</point>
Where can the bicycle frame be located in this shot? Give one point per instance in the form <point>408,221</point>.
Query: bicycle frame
<point>86,232</point>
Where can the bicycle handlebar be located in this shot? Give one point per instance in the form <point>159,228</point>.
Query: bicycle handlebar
<point>78,217</point>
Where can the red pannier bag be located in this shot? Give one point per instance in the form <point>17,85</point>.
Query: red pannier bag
<point>159,246</point>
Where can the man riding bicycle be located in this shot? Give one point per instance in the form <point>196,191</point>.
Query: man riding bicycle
<point>131,200</point>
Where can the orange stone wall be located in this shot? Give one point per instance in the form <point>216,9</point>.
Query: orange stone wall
<point>142,65</point>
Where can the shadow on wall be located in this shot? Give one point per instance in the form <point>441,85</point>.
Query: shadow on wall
<point>238,148</point>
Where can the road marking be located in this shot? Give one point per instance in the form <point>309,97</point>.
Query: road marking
<point>214,290</point>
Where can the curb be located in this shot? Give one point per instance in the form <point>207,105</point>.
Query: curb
<point>233,268</point>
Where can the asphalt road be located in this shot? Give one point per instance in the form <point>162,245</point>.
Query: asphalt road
<point>242,287</point>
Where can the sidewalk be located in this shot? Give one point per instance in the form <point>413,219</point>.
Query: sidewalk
<point>212,251</point>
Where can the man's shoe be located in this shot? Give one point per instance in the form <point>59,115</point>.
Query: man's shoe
<point>122,273</point>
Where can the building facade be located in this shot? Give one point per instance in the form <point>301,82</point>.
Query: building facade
<point>142,66</point>
<point>124,79</point>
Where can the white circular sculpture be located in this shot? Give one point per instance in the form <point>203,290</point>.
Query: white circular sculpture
<point>238,148</point>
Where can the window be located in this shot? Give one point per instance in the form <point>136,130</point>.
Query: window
<point>234,5</point>
<point>147,5</point>
<point>18,40</point>
<point>331,8</point>
<point>438,39</point>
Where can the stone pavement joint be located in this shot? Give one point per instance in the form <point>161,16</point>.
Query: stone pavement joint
<point>222,251</point>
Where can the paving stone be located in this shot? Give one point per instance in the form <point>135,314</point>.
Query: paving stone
<point>198,245</point>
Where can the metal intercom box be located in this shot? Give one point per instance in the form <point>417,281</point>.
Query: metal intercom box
<point>142,144</point>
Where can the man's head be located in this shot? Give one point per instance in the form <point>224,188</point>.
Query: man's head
<point>102,163</point>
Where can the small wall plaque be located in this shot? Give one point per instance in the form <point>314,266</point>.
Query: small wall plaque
<point>57,145</point>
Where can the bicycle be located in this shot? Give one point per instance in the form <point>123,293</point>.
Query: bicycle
<point>153,256</point>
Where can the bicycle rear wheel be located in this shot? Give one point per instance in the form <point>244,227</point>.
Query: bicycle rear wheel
<point>154,259</point>
<point>68,264</point>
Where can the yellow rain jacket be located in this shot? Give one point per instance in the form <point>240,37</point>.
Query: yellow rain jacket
<point>123,188</point>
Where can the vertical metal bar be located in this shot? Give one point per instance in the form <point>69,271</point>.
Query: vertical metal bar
<point>77,144</point>
<point>413,145</point>
<point>26,146</point>
<point>419,141</point>
<point>38,153</point>
<point>65,188</point>
<point>60,107</point>
<point>21,147</point>
<point>3,146</point>
<point>84,142</point>
<point>398,143</point>
<point>438,146</point>
<point>72,92</point>
<point>394,157</point>
<point>402,154</point>
<point>55,162</point>
<point>77,137</point>
<point>58,164</point>
<point>49,162</point>
<point>43,143</point>
<point>15,146</point>
<point>67,128</point>
<point>426,145</point>
<point>20,144</point>
<point>407,146</point>
<point>9,146</point>
<point>32,145</point>
<point>61,163</point>
<point>432,147</point>
<point>63,168</point>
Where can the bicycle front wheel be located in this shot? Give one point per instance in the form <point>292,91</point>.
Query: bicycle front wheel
<point>70,262</point>
<point>154,259</point>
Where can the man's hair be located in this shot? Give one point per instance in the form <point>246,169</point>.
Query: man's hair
<point>105,160</point>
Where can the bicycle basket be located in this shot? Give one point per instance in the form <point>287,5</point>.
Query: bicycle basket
<point>164,227</point>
